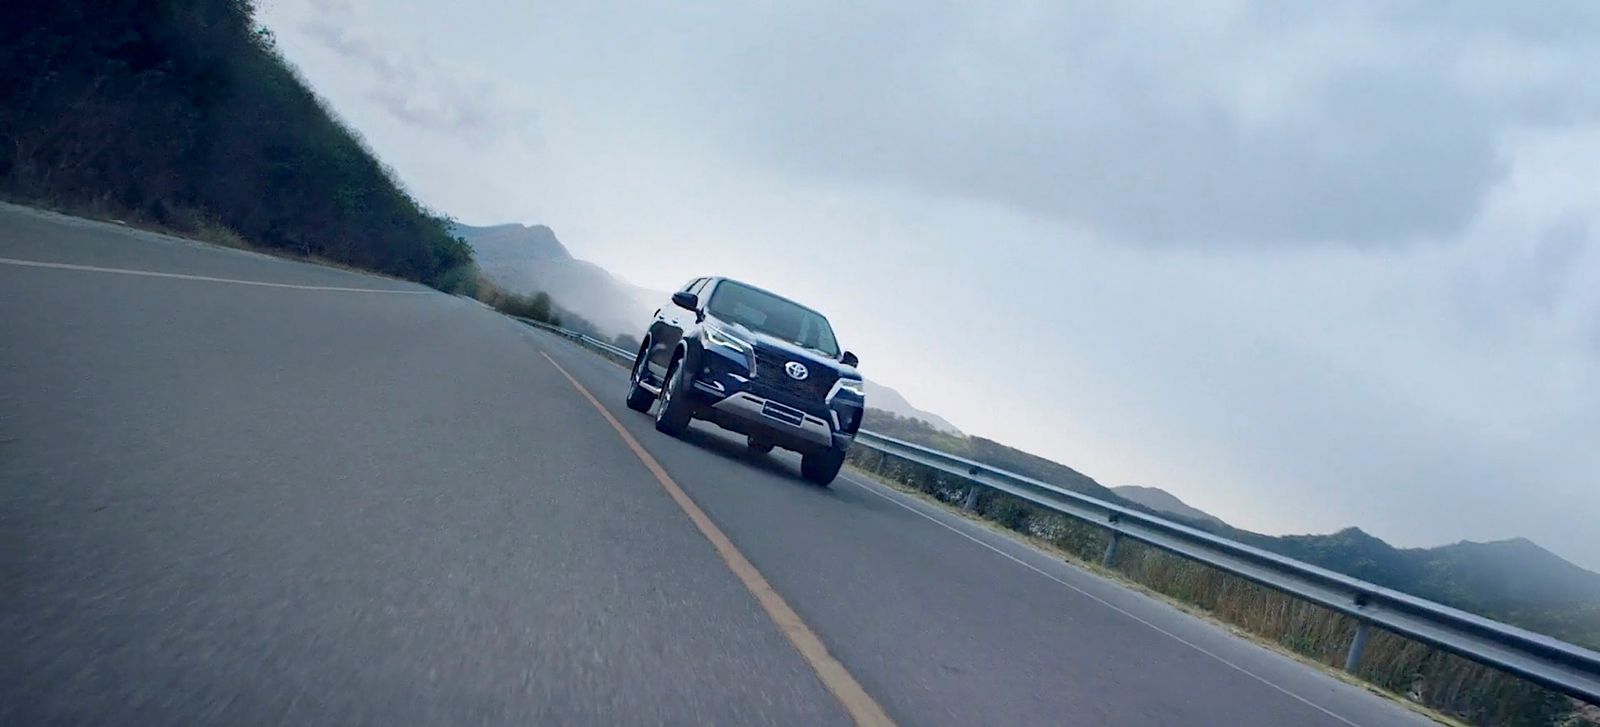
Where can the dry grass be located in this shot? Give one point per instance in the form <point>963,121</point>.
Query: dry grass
<point>213,231</point>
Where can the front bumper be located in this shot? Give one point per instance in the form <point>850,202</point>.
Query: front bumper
<point>770,417</point>
<point>731,400</point>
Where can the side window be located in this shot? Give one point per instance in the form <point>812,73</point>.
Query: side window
<point>690,286</point>
<point>701,288</point>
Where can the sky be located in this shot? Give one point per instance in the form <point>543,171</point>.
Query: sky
<point>1304,265</point>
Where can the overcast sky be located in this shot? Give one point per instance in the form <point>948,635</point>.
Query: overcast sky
<point>1304,266</point>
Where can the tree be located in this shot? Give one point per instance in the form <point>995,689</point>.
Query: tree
<point>182,114</point>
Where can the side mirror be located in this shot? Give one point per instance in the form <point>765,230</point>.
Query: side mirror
<point>849,359</point>
<point>688,301</point>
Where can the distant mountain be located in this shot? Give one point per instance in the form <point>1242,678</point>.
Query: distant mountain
<point>1165,503</point>
<point>1514,580</point>
<point>1506,572</point>
<point>889,400</point>
<point>513,242</point>
<point>529,258</point>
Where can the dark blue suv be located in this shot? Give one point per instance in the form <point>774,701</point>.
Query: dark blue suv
<point>755,363</point>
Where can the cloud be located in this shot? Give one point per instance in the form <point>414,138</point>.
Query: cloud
<point>1244,123</point>
<point>411,84</point>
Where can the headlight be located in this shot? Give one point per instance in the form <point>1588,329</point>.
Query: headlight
<point>854,386</point>
<point>716,336</point>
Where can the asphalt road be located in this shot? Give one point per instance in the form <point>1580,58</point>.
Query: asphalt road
<point>257,491</point>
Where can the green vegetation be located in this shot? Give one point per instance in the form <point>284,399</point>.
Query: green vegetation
<point>182,115</point>
<point>1515,581</point>
<point>536,306</point>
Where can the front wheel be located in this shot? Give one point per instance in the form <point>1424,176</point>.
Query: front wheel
<point>639,398</point>
<point>673,413</point>
<point>821,467</point>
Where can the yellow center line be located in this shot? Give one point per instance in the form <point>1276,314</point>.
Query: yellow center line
<point>856,702</point>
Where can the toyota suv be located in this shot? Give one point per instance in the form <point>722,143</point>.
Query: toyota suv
<point>754,363</point>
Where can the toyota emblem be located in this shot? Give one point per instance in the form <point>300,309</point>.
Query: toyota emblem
<point>796,370</point>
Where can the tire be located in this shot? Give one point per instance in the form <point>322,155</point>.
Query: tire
<point>822,467</point>
<point>673,411</point>
<point>639,398</point>
<point>758,446</point>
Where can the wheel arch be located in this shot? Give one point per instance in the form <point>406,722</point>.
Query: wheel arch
<point>679,353</point>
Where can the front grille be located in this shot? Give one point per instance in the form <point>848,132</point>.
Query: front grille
<point>770,375</point>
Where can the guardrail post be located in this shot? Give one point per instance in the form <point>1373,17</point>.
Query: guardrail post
<point>1358,644</point>
<point>971,503</point>
<point>1111,549</point>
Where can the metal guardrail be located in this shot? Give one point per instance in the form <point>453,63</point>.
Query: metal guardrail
<point>620,355</point>
<point>1547,661</point>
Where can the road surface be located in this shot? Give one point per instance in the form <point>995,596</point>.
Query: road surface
<point>238,489</point>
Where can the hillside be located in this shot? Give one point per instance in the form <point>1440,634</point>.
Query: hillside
<point>1508,572</point>
<point>183,116</point>
<point>889,400</point>
<point>1167,503</point>
<point>529,258</point>
<point>1512,580</point>
<point>512,242</point>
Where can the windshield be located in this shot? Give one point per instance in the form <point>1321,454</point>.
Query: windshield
<point>762,311</point>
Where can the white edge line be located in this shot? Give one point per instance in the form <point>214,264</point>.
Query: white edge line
<point>205,278</point>
<point>1101,601</point>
